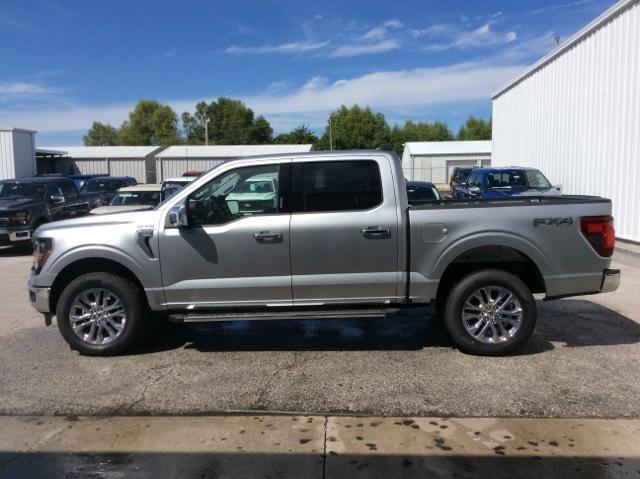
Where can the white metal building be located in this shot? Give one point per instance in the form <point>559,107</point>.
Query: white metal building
<point>575,115</point>
<point>134,161</point>
<point>434,160</point>
<point>17,153</point>
<point>175,160</point>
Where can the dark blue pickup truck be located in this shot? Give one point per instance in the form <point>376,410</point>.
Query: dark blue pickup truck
<point>503,183</point>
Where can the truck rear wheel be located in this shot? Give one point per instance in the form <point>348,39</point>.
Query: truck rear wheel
<point>490,313</point>
<point>100,314</point>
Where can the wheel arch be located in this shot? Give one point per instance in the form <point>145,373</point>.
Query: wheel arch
<point>89,265</point>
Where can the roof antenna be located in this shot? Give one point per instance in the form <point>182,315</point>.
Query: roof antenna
<point>557,39</point>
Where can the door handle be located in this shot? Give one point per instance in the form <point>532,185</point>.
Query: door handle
<point>376,232</point>
<point>267,236</point>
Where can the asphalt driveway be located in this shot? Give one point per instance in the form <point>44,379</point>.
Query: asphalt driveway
<point>582,361</point>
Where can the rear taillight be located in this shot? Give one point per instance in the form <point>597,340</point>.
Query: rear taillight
<point>599,232</point>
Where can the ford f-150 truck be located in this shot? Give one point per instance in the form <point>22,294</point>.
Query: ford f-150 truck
<point>341,241</point>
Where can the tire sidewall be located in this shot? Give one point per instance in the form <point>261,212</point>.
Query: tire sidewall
<point>463,289</point>
<point>128,294</point>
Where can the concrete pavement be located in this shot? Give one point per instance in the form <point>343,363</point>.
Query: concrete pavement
<point>582,361</point>
<point>316,447</point>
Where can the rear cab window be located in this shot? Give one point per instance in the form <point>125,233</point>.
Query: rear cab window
<point>332,186</point>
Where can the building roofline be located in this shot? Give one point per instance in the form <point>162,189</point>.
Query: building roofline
<point>22,130</point>
<point>576,38</point>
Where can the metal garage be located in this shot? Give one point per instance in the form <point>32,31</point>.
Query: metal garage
<point>134,161</point>
<point>434,160</point>
<point>175,160</point>
<point>575,114</point>
<point>17,153</point>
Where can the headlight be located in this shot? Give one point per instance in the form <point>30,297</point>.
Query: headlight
<point>20,218</point>
<point>41,251</point>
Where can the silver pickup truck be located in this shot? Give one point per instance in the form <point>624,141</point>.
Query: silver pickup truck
<point>339,240</point>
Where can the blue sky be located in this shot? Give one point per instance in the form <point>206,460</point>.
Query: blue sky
<point>67,63</point>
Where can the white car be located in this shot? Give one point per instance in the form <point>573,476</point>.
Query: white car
<point>132,198</point>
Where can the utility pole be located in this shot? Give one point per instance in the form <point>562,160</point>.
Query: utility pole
<point>206,131</point>
<point>330,134</point>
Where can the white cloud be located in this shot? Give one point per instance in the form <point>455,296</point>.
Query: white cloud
<point>293,47</point>
<point>480,37</point>
<point>365,48</point>
<point>380,32</point>
<point>415,88</point>
<point>23,88</point>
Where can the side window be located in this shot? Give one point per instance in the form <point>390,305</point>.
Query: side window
<point>55,190</point>
<point>472,181</point>
<point>253,190</point>
<point>69,189</point>
<point>336,186</point>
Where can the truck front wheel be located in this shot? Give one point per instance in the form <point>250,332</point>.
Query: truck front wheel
<point>100,314</point>
<point>490,313</point>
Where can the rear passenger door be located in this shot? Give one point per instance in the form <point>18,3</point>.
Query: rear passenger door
<point>344,232</point>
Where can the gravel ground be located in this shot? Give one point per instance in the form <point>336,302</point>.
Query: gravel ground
<point>582,361</point>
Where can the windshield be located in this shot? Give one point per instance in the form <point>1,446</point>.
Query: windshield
<point>125,198</point>
<point>514,179</point>
<point>254,186</point>
<point>14,190</point>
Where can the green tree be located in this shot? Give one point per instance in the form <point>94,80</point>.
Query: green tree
<point>101,134</point>
<point>475,129</point>
<point>421,131</point>
<point>355,127</point>
<point>230,122</point>
<point>261,132</point>
<point>300,135</point>
<point>150,123</point>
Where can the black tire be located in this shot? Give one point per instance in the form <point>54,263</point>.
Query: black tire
<point>464,288</point>
<point>134,307</point>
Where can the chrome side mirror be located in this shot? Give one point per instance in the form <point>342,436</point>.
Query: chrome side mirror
<point>177,217</point>
<point>558,187</point>
<point>474,190</point>
<point>56,199</point>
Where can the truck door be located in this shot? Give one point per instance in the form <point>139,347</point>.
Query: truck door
<point>235,251</point>
<point>344,231</point>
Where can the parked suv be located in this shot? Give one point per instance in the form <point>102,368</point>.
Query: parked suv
<point>99,191</point>
<point>505,183</point>
<point>27,203</point>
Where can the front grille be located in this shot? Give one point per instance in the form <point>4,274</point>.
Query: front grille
<point>4,221</point>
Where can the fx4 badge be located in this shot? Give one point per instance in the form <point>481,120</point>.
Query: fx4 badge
<point>552,221</point>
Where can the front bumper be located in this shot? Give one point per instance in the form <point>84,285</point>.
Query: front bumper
<point>39,298</point>
<point>10,236</point>
<point>610,280</point>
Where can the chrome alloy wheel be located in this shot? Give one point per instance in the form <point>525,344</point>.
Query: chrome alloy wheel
<point>97,316</point>
<point>492,314</point>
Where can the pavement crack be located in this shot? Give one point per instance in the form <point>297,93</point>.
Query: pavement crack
<point>149,384</point>
<point>267,385</point>
<point>324,448</point>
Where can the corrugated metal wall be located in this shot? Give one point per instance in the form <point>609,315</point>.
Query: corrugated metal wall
<point>173,167</point>
<point>578,119</point>
<point>129,167</point>
<point>6,155</point>
<point>90,165</point>
<point>17,154</point>
<point>436,168</point>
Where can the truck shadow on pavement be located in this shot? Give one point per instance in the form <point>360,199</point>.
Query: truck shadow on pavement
<point>209,465</point>
<point>569,323</point>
